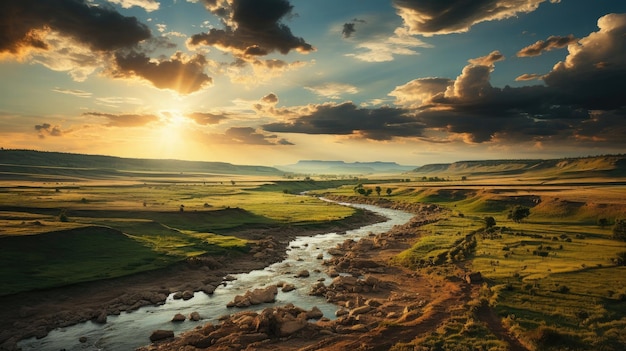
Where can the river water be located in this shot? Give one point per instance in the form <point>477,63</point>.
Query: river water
<point>131,330</point>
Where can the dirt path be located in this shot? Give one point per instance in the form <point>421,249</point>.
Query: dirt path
<point>488,316</point>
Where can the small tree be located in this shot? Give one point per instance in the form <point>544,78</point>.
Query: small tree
<point>182,208</point>
<point>389,191</point>
<point>368,192</point>
<point>519,213</point>
<point>603,222</point>
<point>378,190</point>
<point>489,222</point>
<point>63,217</point>
<point>619,230</point>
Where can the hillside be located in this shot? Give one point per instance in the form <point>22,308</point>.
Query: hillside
<point>341,167</point>
<point>97,166</point>
<point>611,165</point>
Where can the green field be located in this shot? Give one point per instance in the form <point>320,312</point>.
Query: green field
<point>552,277</point>
<point>54,234</point>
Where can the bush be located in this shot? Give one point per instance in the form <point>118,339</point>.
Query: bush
<point>63,217</point>
<point>619,230</point>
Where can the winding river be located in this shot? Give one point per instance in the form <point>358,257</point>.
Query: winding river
<point>131,330</point>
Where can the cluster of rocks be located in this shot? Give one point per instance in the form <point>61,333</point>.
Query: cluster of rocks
<point>241,330</point>
<point>255,297</point>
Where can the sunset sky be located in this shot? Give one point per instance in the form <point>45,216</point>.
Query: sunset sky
<point>271,82</point>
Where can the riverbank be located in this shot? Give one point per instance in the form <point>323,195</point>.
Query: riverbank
<point>34,314</point>
<point>379,304</point>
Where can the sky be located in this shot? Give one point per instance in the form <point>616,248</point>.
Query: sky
<point>271,82</point>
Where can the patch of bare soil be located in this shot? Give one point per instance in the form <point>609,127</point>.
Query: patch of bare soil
<point>36,313</point>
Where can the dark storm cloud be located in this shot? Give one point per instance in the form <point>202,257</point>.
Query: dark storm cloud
<point>429,17</point>
<point>593,75</point>
<point>252,27</point>
<point>204,118</point>
<point>553,42</point>
<point>99,27</point>
<point>124,120</point>
<point>347,119</point>
<point>182,74</point>
<point>581,102</point>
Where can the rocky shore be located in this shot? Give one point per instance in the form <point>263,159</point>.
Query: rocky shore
<point>378,304</point>
<point>35,313</point>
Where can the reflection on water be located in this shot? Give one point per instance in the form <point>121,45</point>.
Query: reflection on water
<point>131,330</point>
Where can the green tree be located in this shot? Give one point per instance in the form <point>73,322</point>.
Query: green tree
<point>378,190</point>
<point>619,230</point>
<point>489,222</point>
<point>518,213</point>
<point>389,191</point>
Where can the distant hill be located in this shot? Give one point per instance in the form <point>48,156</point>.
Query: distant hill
<point>79,165</point>
<point>611,165</point>
<point>341,167</point>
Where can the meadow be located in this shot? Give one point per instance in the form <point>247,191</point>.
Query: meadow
<point>554,278</point>
<point>57,233</point>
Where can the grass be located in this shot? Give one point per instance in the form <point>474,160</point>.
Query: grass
<point>574,297</point>
<point>70,256</point>
<point>137,227</point>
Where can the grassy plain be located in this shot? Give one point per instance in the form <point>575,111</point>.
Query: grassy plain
<point>58,233</point>
<point>552,278</point>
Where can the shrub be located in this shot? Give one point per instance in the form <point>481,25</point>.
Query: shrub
<point>619,230</point>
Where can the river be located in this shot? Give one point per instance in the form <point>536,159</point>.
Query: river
<point>128,331</point>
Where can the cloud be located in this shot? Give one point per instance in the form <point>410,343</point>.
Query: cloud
<point>124,120</point>
<point>565,109</point>
<point>74,92</point>
<point>432,17</point>
<point>100,28</point>
<point>333,90</point>
<point>383,123</point>
<point>205,118</point>
<point>270,98</point>
<point>148,5</point>
<point>256,71</point>
<point>597,61</point>
<point>385,49</point>
<point>553,42</point>
<point>420,91</point>
<point>527,76</point>
<point>46,129</point>
<point>348,29</point>
<point>251,28</point>
<point>180,73</point>
<point>248,136</point>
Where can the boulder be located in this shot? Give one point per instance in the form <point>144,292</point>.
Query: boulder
<point>255,297</point>
<point>360,310</point>
<point>161,335</point>
<point>187,294</point>
<point>314,313</point>
<point>194,316</point>
<point>179,317</point>
<point>288,287</point>
<point>101,318</point>
<point>303,274</point>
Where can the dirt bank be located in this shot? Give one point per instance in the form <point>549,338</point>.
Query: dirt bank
<point>35,313</point>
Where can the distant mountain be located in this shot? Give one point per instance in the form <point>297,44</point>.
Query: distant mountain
<point>341,167</point>
<point>610,165</point>
<point>30,162</point>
